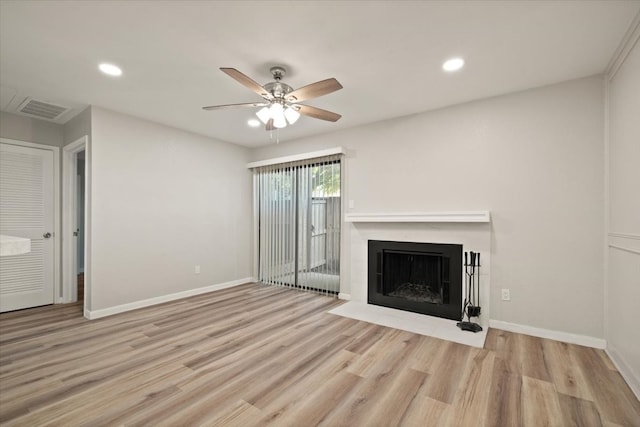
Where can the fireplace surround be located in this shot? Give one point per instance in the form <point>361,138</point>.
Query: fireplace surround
<point>471,229</point>
<point>415,276</point>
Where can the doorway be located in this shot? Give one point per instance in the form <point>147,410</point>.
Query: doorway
<point>75,274</point>
<point>79,232</point>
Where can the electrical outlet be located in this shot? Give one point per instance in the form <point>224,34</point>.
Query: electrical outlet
<point>197,269</point>
<point>505,295</point>
<point>351,204</point>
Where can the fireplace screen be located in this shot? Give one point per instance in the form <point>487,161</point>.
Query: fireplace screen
<point>420,277</point>
<point>416,276</point>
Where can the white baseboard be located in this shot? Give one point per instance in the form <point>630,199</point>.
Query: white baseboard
<point>632,379</point>
<point>552,335</point>
<point>103,312</point>
<point>346,297</point>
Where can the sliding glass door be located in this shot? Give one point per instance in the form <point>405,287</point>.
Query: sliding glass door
<point>299,224</point>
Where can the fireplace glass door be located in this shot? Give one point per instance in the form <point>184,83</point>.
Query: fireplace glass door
<point>414,276</point>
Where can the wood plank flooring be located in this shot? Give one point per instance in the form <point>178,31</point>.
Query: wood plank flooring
<point>257,355</point>
<point>80,287</point>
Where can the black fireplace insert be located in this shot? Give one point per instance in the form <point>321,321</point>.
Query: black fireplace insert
<point>420,277</point>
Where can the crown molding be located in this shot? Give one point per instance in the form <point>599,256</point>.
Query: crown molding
<point>629,40</point>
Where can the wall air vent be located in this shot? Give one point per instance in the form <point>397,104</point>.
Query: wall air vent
<point>42,109</point>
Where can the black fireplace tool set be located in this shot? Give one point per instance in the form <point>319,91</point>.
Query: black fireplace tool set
<point>472,299</point>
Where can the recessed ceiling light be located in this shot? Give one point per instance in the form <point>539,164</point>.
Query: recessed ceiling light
<point>453,64</point>
<point>110,69</point>
<point>253,123</point>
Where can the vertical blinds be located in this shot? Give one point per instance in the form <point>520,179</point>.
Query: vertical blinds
<point>299,224</point>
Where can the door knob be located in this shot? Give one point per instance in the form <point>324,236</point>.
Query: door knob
<point>46,235</point>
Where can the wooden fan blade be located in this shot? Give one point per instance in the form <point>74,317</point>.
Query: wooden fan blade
<point>314,90</point>
<point>318,113</point>
<point>247,82</point>
<point>269,125</point>
<point>245,104</point>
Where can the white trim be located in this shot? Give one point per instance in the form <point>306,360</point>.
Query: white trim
<point>88,269</point>
<point>622,248</point>
<point>549,334</point>
<point>29,144</point>
<point>606,207</point>
<point>68,260</point>
<point>96,314</point>
<point>629,40</point>
<point>57,246</point>
<point>57,255</point>
<point>345,234</point>
<point>625,236</point>
<point>461,216</point>
<point>296,157</point>
<point>346,297</point>
<point>631,378</point>
<point>69,245</point>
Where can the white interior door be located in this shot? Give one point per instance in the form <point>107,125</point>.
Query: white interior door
<point>26,210</point>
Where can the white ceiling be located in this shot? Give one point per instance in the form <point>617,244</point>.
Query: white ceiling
<point>386,54</point>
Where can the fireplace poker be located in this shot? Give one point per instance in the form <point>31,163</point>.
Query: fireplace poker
<point>469,308</point>
<point>478,281</point>
<point>473,310</point>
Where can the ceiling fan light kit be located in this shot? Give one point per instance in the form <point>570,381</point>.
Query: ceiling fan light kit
<point>278,114</point>
<point>264,115</point>
<point>292,115</point>
<point>280,106</point>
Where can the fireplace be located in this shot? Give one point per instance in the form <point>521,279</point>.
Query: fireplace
<point>420,277</point>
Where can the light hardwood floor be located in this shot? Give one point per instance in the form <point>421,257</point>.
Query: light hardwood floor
<point>258,355</point>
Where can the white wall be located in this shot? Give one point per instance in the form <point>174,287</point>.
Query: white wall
<point>78,127</point>
<point>22,128</point>
<point>623,284</point>
<point>534,159</point>
<point>163,201</point>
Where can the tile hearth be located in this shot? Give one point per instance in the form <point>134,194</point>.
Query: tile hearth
<point>411,322</point>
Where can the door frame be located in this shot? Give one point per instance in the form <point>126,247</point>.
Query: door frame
<point>344,239</point>
<point>69,210</point>
<point>57,293</point>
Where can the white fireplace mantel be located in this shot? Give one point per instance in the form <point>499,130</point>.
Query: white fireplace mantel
<point>457,216</point>
<point>471,229</point>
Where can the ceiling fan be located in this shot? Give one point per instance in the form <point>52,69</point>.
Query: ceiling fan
<point>280,105</point>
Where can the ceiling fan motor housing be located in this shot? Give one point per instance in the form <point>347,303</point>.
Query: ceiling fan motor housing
<point>278,72</point>
<point>278,89</point>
